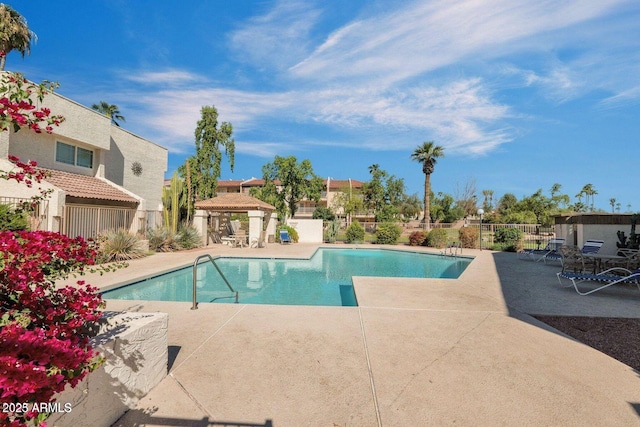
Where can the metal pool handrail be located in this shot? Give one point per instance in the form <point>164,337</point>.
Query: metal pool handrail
<point>194,306</point>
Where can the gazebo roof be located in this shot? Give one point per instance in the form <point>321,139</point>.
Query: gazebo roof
<point>234,202</point>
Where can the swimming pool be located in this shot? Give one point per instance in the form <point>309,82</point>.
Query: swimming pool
<point>324,279</point>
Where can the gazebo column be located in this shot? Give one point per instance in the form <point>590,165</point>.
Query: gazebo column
<point>255,225</point>
<point>271,227</point>
<point>200,223</point>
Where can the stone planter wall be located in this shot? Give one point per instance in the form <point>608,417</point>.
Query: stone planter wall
<point>136,352</point>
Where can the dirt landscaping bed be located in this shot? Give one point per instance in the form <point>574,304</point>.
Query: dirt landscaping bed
<point>616,337</point>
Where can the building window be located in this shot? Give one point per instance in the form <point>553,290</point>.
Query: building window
<point>72,155</point>
<point>65,153</point>
<point>84,157</point>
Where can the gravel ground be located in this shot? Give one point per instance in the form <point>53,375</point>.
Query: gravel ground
<point>616,337</point>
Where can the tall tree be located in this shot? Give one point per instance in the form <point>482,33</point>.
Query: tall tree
<point>427,154</point>
<point>109,110</point>
<point>14,34</point>
<point>349,201</point>
<point>465,196</point>
<point>589,191</point>
<point>612,202</point>
<point>410,207</point>
<point>288,182</point>
<point>560,200</point>
<point>205,167</point>
<point>384,194</point>
<point>506,203</point>
<point>487,204</point>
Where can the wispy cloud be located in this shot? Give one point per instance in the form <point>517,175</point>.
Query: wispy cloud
<point>266,150</point>
<point>424,36</point>
<point>167,77</point>
<point>628,97</point>
<point>381,75</point>
<point>278,38</point>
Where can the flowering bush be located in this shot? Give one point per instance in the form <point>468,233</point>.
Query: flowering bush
<point>44,343</point>
<point>44,339</point>
<point>417,238</point>
<point>17,104</point>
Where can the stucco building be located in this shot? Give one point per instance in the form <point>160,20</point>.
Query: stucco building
<point>101,176</point>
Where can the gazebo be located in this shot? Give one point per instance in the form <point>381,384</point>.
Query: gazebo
<point>233,203</point>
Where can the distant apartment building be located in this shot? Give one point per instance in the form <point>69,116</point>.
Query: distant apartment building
<point>331,187</point>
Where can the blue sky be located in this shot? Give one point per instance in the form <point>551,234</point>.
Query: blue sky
<point>521,94</point>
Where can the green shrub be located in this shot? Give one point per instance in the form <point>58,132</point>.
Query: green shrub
<point>510,239</point>
<point>417,238</point>
<point>11,220</point>
<point>293,233</point>
<point>188,238</point>
<point>119,245</point>
<point>161,239</point>
<point>437,238</point>
<point>505,235</point>
<point>331,233</point>
<point>323,213</point>
<point>355,233</point>
<point>388,233</point>
<point>468,237</point>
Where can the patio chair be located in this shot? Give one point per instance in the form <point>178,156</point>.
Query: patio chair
<point>631,260</point>
<point>538,254</point>
<point>259,242</point>
<point>284,237</point>
<point>572,259</point>
<point>590,247</point>
<point>609,277</point>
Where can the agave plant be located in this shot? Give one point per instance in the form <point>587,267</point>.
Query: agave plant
<point>162,239</point>
<point>120,245</point>
<point>188,238</point>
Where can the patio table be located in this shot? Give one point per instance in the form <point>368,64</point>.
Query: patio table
<point>599,259</point>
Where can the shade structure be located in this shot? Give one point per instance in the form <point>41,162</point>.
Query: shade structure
<point>234,202</point>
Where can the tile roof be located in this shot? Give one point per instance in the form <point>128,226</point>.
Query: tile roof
<point>230,183</point>
<point>234,202</point>
<point>337,184</point>
<point>86,187</point>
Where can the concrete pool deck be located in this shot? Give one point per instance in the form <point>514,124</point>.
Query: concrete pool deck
<point>414,352</point>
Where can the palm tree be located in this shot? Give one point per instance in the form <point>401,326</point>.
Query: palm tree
<point>612,202</point>
<point>589,191</point>
<point>109,110</point>
<point>487,205</point>
<point>427,154</point>
<point>14,33</point>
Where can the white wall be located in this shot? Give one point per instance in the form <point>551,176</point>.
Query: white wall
<point>127,148</point>
<point>82,124</point>
<point>136,353</point>
<point>606,232</point>
<point>309,230</point>
<point>11,188</point>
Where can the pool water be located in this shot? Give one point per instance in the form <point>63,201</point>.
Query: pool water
<point>324,279</point>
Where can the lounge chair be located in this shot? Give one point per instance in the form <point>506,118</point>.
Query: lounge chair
<point>609,277</point>
<point>590,247</point>
<point>284,237</point>
<point>538,254</point>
